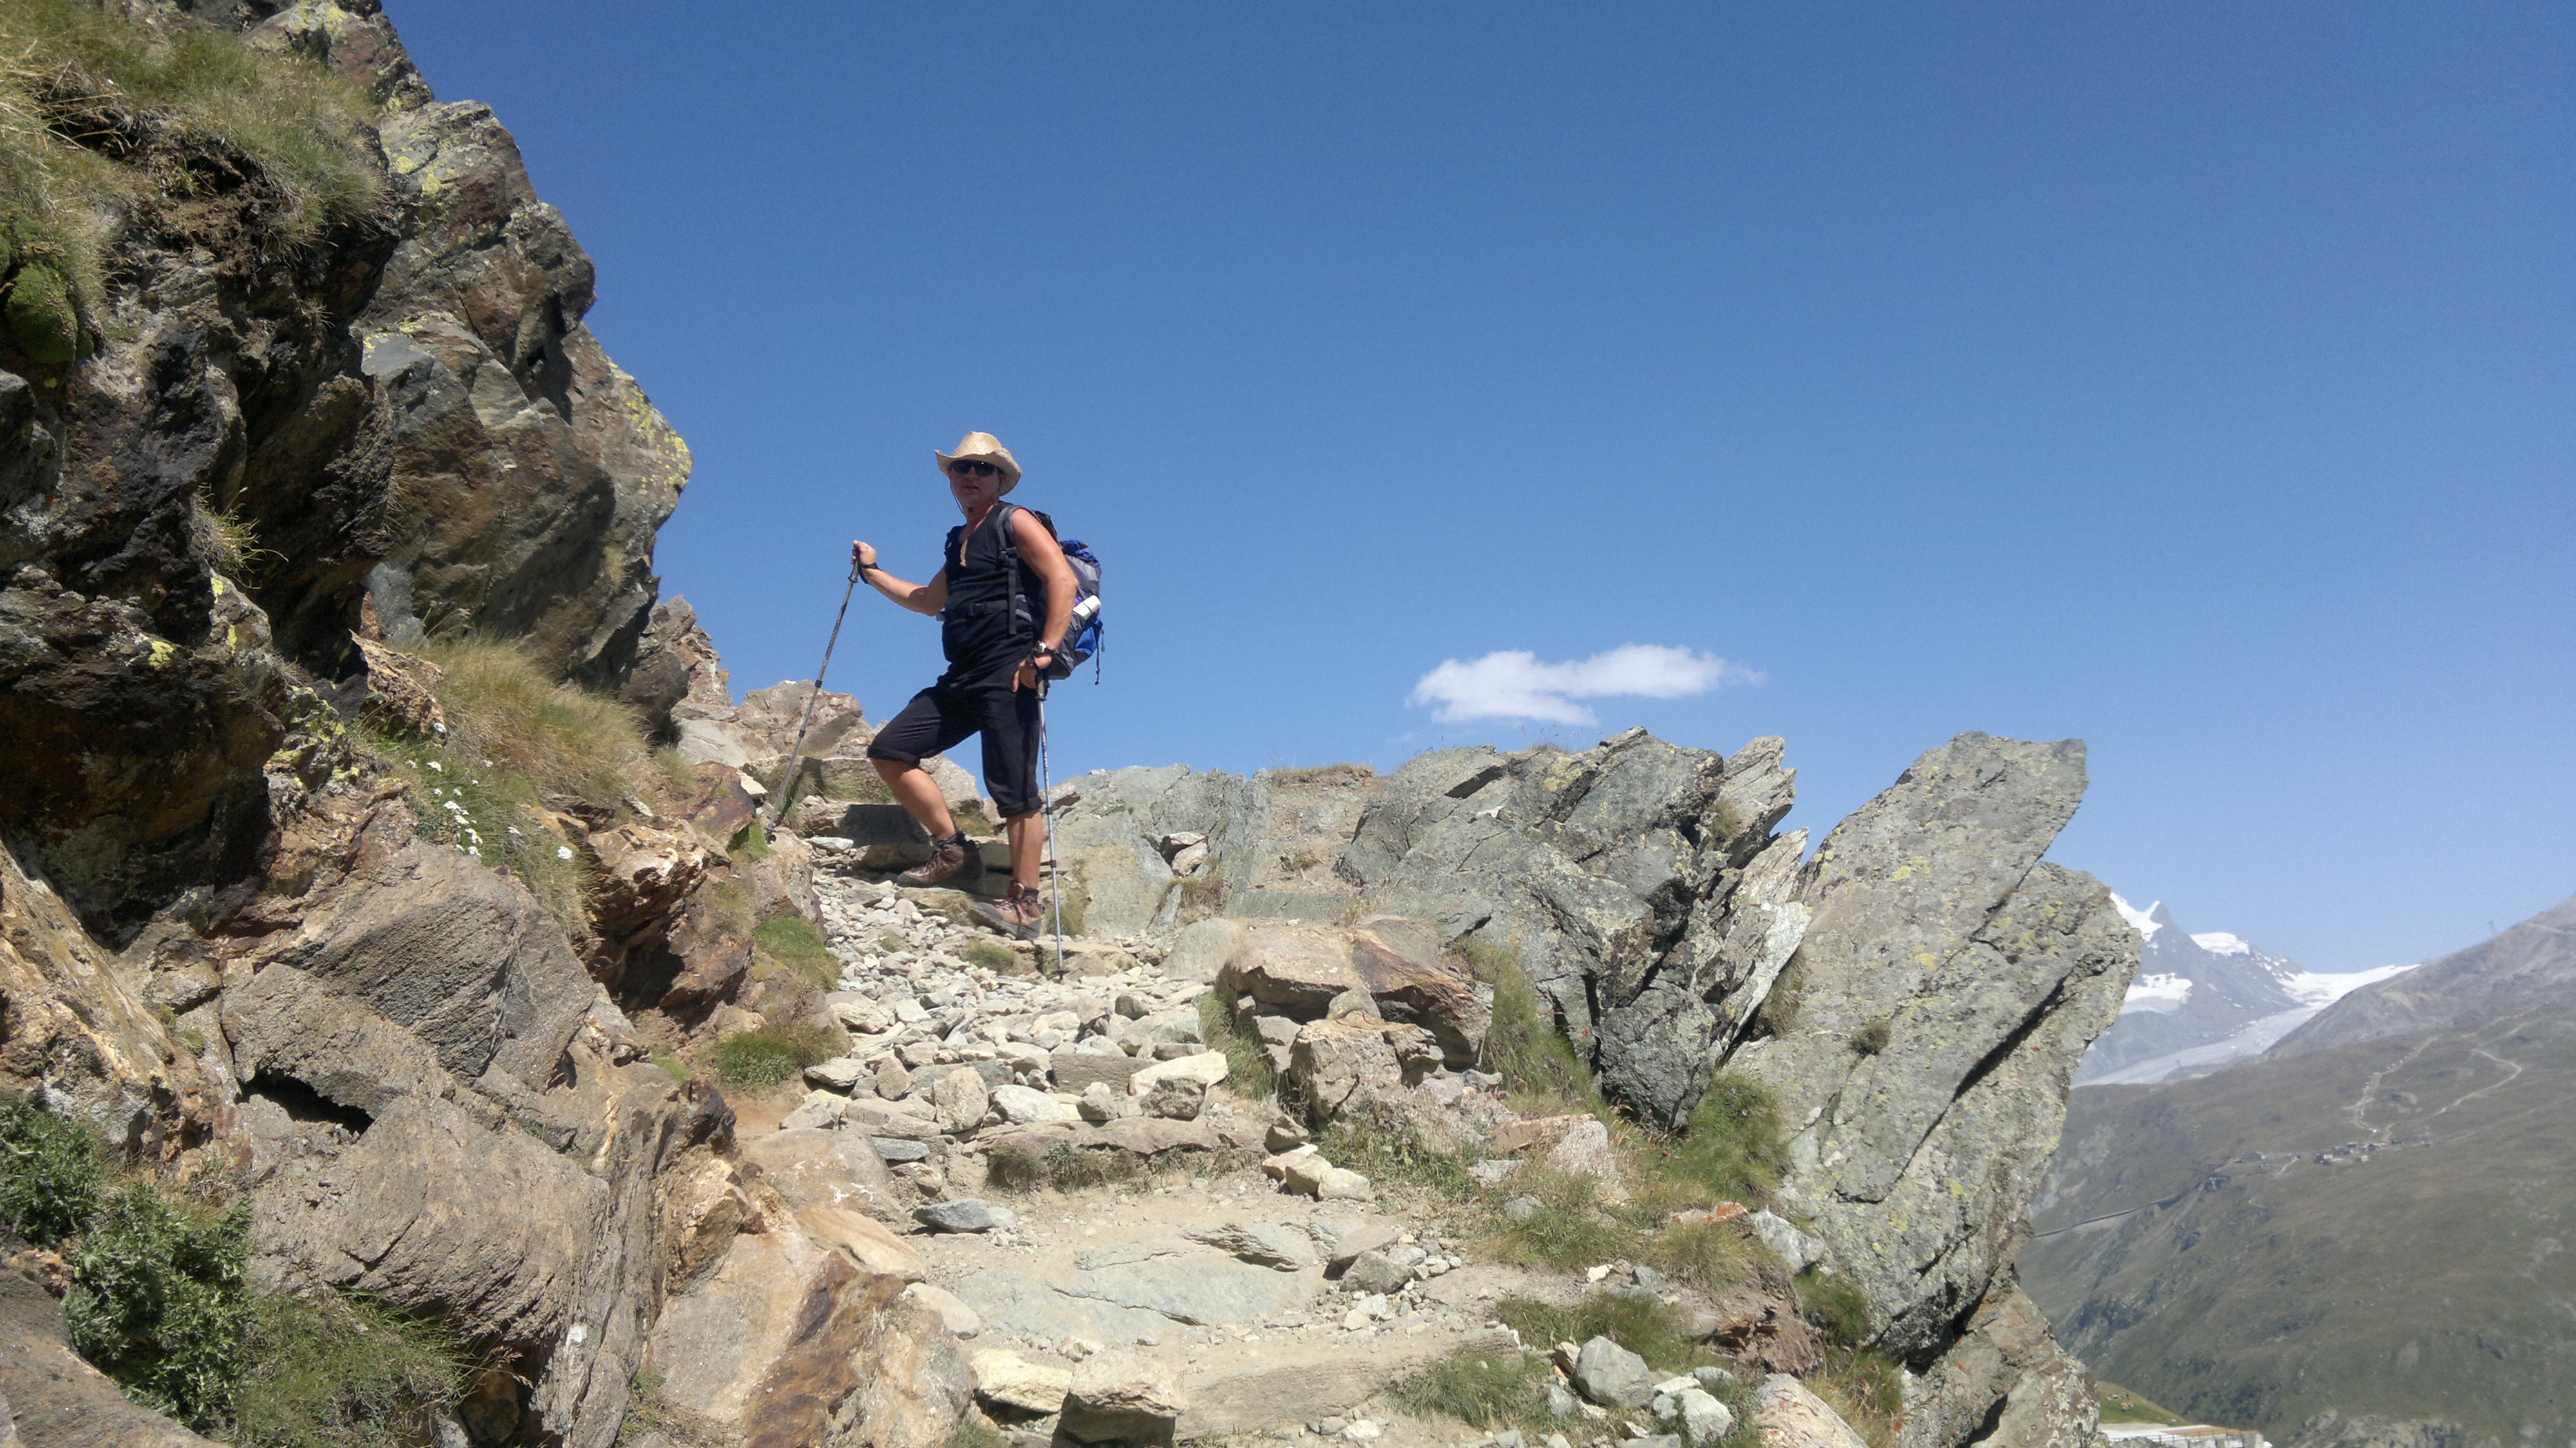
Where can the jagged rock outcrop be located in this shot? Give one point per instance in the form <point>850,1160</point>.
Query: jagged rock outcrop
<point>1928,1029</point>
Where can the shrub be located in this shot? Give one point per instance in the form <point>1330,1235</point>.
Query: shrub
<point>1483,1388</point>
<point>773,1054</point>
<point>157,1300</point>
<point>1730,1147</point>
<point>798,946</point>
<point>326,1371</point>
<point>50,1177</point>
<point>1522,1045</point>
<point>1014,1169</point>
<point>1835,1305</point>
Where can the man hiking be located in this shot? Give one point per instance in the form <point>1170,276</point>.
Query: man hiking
<point>1001,628</point>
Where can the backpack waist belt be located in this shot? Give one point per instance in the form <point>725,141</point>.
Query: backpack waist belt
<point>984,608</point>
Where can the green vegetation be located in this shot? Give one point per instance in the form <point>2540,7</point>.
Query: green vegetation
<point>1871,1039</point>
<point>1064,1168</point>
<point>650,1410</point>
<point>1835,1305</point>
<point>1247,1060</point>
<point>750,844</point>
<point>1866,1389</point>
<point>1779,1013</point>
<point>157,1300</point>
<point>1649,1329</point>
<point>798,947</point>
<point>2119,1405</point>
<point>516,740</point>
<point>327,1371</point>
<point>100,116</point>
<point>1523,1045</point>
<point>773,1054</point>
<point>678,1069</point>
<point>974,1430</point>
<point>1730,1147</point>
<point>50,1178</point>
<point>1570,1229</point>
<point>1483,1388</point>
<point>1384,1146</point>
<point>994,956</point>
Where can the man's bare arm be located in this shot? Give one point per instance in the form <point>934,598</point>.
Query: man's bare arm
<point>1038,546</point>
<point>928,597</point>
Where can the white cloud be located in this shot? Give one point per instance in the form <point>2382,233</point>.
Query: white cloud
<point>1513,684</point>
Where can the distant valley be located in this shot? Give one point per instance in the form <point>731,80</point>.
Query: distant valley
<point>2368,1211</point>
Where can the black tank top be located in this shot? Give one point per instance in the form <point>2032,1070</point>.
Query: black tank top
<point>978,630</point>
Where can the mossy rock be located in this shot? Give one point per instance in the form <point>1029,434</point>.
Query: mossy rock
<point>41,318</point>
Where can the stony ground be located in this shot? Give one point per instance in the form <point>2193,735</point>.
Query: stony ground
<point>1274,1310</point>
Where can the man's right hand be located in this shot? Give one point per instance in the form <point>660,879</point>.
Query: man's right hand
<point>862,556</point>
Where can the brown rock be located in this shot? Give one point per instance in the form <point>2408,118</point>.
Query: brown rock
<point>1788,1416</point>
<point>1291,969</point>
<point>814,1168</point>
<point>402,691</point>
<point>1341,1065</point>
<point>1123,1400</point>
<point>1518,1136</point>
<point>640,874</point>
<point>867,1242</point>
<point>1414,985</point>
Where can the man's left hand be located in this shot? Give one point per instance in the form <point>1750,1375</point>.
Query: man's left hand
<point>1030,673</point>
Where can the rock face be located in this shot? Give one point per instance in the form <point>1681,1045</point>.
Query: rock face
<point>1931,1021</point>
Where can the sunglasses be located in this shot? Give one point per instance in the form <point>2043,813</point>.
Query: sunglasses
<point>981,470</point>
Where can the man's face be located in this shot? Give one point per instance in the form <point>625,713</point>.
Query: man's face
<point>974,483</point>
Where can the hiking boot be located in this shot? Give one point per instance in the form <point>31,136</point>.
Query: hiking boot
<point>1020,913</point>
<point>954,858</point>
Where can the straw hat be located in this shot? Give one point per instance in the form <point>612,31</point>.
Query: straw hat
<point>983,447</point>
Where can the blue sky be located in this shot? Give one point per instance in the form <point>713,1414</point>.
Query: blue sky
<point>2195,379</point>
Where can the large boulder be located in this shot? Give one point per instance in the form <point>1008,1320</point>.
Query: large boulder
<point>1925,1036</point>
<point>1299,970</point>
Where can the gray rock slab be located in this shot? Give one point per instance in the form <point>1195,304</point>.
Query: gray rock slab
<point>1202,1289</point>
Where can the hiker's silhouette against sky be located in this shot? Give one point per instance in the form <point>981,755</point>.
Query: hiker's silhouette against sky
<point>2194,380</point>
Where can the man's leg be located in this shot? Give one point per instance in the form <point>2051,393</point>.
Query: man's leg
<point>918,793</point>
<point>1028,846</point>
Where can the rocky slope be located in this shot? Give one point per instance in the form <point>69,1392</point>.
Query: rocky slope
<point>311,899</point>
<point>2353,1238</point>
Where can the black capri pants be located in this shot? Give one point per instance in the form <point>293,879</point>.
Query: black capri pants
<point>940,717</point>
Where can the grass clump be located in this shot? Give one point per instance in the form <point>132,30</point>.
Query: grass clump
<point>1247,1058</point>
<point>1385,1146</point>
<point>1649,1329</point>
<point>1871,1039</point>
<point>326,1371</point>
<point>1835,1305</point>
<point>157,1300</point>
<point>994,956</point>
<point>100,113</point>
<point>1483,1388</point>
<point>798,947</point>
<point>1730,1148</point>
<point>1709,1254</point>
<point>1523,1045</point>
<point>750,844</point>
<point>974,1430</point>
<point>773,1054</point>
<point>50,1177</point>
<point>515,741</point>
<point>1570,1229</point>
<point>1865,1387</point>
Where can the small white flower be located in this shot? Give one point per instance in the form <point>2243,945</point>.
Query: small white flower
<point>441,768</point>
<point>563,852</point>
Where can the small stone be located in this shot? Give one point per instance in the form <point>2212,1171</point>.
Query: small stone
<point>1521,1209</point>
<point>1098,1105</point>
<point>1560,1404</point>
<point>900,1149</point>
<point>1175,1099</point>
<point>960,1319</point>
<point>1362,1431</point>
<point>1612,1376</point>
<point>1079,1348</point>
<point>1285,1135</point>
<point>1648,1278</point>
<point>966,1214</point>
<point>1704,1419</point>
<point>1132,1006</point>
<point>1023,1106</point>
<point>1374,1272</point>
<point>1712,1378</point>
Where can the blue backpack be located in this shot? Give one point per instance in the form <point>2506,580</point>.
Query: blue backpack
<point>1082,634</point>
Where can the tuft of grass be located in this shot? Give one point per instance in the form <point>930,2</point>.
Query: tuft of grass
<point>516,739</point>
<point>1835,1305</point>
<point>1871,1039</point>
<point>994,956</point>
<point>99,113</point>
<point>1070,1168</point>
<point>50,1177</point>
<point>228,541</point>
<point>1708,1254</point>
<point>158,1302</point>
<point>1649,1329</point>
<point>798,947</point>
<point>1483,1388</point>
<point>974,1430</point>
<point>773,1054</point>
<point>327,1371</point>
<point>1570,1230</point>
<point>1384,1146</point>
<point>750,844</point>
<point>1778,1015</point>
<point>677,1068</point>
<point>1730,1148</point>
<point>1523,1045</point>
<point>1866,1389</point>
<point>1247,1060</point>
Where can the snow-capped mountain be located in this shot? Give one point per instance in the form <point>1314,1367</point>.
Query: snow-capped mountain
<point>2201,1001</point>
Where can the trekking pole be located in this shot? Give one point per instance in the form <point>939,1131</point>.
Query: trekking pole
<point>796,751</point>
<point>1046,805</point>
